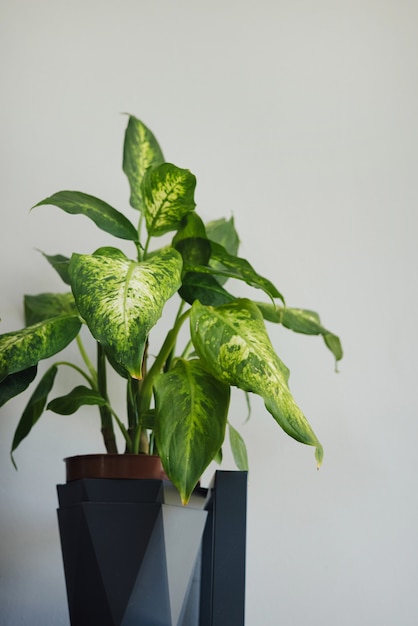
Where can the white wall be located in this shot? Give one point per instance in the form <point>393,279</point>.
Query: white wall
<point>300,118</point>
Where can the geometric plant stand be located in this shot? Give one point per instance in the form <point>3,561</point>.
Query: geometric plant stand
<point>134,556</point>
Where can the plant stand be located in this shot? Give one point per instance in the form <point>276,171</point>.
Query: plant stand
<point>133,556</point>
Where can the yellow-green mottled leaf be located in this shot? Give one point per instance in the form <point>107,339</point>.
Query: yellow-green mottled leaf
<point>24,348</point>
<point>168,195</point>
<point>121,300</point>
<point>140,152</point>
<point>191,413</point>
<point>233,343</point>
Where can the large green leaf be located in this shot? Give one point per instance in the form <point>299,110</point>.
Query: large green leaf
<point>228,265</point>
<point>14,384</point>
<point>22,349</point>
<point>302,321</point>
<point>103,215</point>
<point>168,195</point>
<point>232,342</point>
<point>34,407</point>
<point>79,396</point>
<point>121,300</point>
<point>191,407</point>
<point>141,151</point>
<point>46,305</point>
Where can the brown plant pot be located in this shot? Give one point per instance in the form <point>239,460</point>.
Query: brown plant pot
<point>114,466</point>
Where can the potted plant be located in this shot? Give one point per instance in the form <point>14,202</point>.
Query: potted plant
<point>121,298</point>
<point>177,401</point>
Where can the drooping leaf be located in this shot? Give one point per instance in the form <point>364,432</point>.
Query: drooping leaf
<point>34,407</point>
<point>302,321</point>
<point>78,397</point>
<point>140,152</point>
<point>14,384</point>
<point>191,407</point>
<point>46,305</point>
<point>121,300</point>
<point>233,344</point>
<point>60,264</point>
<point>102,214</point>
<point>230,266</point>
<point>168,195</point>
<point>239,449</point>
<point>24,348</point>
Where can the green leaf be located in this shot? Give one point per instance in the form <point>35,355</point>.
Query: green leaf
<point>34,407</point>
<point>102,214</point>
<point>168,195</point>
<point>78,397</point>
<point>60,264</point>
<point>302,321</point>
<point>14,384</point>
<point>233,344</point>
<point>205,288</point>
<point>46,305</point>
<point>192,409</point>
<point>191,240</point>
<point>223,232</point>
<point>334,344</point>
<point>235,267</point>
<point>239,449</point>
<point>22,349</point>
<point>121,300</point>
<point>140,152</point>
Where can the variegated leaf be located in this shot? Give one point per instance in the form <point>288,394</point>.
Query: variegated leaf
<point>140,152</point>
<point>232,342</point>
<point>121,300</point>
<point>24,348</point>
<point>191,409</point>
<point>168,195</point>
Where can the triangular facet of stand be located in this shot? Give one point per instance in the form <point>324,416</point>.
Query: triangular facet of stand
<point>183,531</point>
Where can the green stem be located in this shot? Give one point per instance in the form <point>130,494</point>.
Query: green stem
<point>90,381</point>
<point>158,365</point>
<point>105,412</point>
<point>86,360</point>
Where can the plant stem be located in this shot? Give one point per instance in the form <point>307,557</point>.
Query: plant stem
<point>105,413</point>
<point>158,365</point>
<point>86,360</point>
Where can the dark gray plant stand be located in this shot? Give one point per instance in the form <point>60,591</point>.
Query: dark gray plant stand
<point>133,556</point>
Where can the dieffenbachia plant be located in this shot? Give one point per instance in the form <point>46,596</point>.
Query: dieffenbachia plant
<point>177,403</point>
